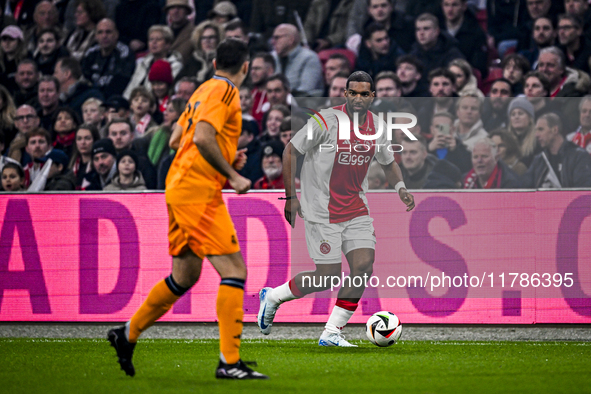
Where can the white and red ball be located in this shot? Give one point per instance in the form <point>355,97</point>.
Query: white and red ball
<point>383,328</point>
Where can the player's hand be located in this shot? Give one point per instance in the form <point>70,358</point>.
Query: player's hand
<point>291,207</point>
<point>240,183</point>
<point>407,199</point>
<point>240,159</point>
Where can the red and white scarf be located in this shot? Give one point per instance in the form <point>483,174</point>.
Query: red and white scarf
<point>162,105</point>
<point>582,140</point>
<point>142,125</point>
<point>493,182</point>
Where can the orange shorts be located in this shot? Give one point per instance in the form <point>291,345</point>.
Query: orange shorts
<point>206,229</point>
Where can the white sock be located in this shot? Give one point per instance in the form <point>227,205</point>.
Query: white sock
<point>338,319</point>
<point>281,294</point>
<point>127,329</point>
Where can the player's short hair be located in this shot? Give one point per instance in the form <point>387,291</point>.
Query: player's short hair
<point>428,17</point>
<point>38,132</point>
<point>231,55</point>
<point>553,120</point>
<point>442,72</point>
<point>388,75</point>
<point>72,65</point>
<point>361,76</point>
<point>412,60</point>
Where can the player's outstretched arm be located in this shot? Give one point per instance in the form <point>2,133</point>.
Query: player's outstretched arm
<point>394,176</point>
<point>292,204</point>
<point>175,138</point>
<point>204,139</point>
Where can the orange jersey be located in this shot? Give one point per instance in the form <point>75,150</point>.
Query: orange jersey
<point>191,179</point>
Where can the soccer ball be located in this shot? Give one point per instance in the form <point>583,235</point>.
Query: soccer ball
<point>383,328</point>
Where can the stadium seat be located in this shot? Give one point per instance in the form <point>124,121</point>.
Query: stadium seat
<point>325,54</point>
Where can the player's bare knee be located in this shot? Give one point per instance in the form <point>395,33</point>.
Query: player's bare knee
<point>362,267</point>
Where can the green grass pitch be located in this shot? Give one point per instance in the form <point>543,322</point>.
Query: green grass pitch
<point>297,366</point>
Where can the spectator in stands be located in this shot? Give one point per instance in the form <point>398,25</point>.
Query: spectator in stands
<point>444,175</point>
<point>409,70</point>
<point>252,169</point>
<point>461,23</point>
<point>160,77</point>
<point>38,145</point>
<point>582,135</point>
<point>273,122</point>
<point>109,65</point>
<point>26,79</point>
<point>521,126</point>
<point>142,107</point>
<point>4,159</point>
<point>185,88</point>
<point>103,164</point>
<point>445,143</point>
<point>544,35</point>
<point>262,67</point>
<point>248,121</point>
<point>12,51</point>
<point>581,10</point>
<point>442,86</point>
<point>159,42</point>
<point>205,39</point>
<point>88,13</point>
<point>268,14</point>
<point>508,150</point>
<point>45,17</point>
<point>22,13</point>
<point>289,127</point>
<point>433,48</point>
<point>561,163</point>
<point>93,112</point>
<point>537,89</point>
<point>465,79</point>
<point>515,66</point>
<point>416,163</point>
<point>564,82</point>
<point>336,63</point>
<point>7,115</point>
<point>495,109</point>
<point>505,19</point>
<point>121,133</point>
<point>81,159</point>
<point>300,65</point>
<point>488,171</point>
<point>48,94</point>
<point>326,23</point>
<point>278,91</point>
<point>377,53</point>
<point>48,51</point>
<point>13,178</point>
<point>127,176</point>
<point>134,30</point>
<point>74,88</point>
<point>222,12</point>
<point>537,9</point>
<point>469,122</point>
<point>272,166</point>
<point>115,107</point>
<point>26,120</point>
<point>177,15</point>
<point>388,85</point>
<point>57,178</point>
<point>573,42</point>
<point>65,122</point>
<point>236,29</point>
<point>337,86</point>
<point>154,144</point>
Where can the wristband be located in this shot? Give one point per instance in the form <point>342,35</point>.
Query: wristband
<point>288,198</point>
<point>399,186</point>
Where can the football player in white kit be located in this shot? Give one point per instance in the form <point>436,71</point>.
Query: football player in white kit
<point>334,207</point>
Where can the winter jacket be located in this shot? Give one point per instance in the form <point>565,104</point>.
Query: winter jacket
<point>444,51</point>
<point>109,74</point>
<point>576,168</point>
<point>142,69</point>
<point>65,181</point>
<point>387,62</point>
<point>137,184</point>
<point>322,22</point>
<point>79,41</point>
<point>182,42</point>
<point>78,93</point>
<point>419,179</point>
<point>472,43</point>
<point>134,18</point>
<point>476,132</point>
<point>303,71</point>
<point>197,67</point>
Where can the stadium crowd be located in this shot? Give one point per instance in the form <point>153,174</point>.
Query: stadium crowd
<point>94,87</point>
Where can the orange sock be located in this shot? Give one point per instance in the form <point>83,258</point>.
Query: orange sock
<point>230,313</point>
<point>159,301</point>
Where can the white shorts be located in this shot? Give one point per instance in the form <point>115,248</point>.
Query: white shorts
<point>326,241</point>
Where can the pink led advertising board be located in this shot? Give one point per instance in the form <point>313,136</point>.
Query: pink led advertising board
<point>506,257</point>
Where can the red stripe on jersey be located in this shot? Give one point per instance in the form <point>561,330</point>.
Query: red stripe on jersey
<point>348,173</point>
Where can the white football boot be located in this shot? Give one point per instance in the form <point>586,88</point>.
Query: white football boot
<point>334,339</point>
<point>266,311</point>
